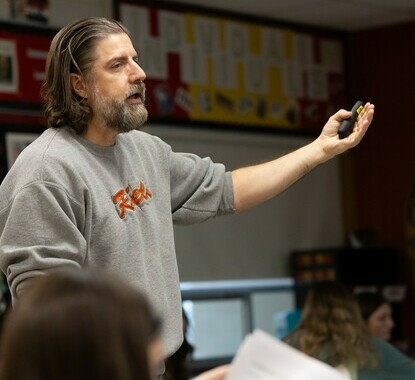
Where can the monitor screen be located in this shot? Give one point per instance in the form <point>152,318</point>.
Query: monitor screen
<point>216,327</point>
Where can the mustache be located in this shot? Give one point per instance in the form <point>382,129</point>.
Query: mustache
<point>138,88</point>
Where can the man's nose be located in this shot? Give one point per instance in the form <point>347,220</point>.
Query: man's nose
<point>137,73</point>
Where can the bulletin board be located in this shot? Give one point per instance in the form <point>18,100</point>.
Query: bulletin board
<point>23,55</point>
<point>211,68</point>
<point>22,65</point>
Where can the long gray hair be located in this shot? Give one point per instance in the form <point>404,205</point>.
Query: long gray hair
<point>73,51</point>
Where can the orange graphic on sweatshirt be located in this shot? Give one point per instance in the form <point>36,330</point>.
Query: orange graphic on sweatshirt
<point>127,199</point>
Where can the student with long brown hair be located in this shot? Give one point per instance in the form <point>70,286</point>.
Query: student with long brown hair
<point>332,330</point>
<point>76,324</point>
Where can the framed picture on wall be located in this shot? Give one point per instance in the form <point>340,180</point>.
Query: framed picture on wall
<point>8,67</point>
<point>15,143</point>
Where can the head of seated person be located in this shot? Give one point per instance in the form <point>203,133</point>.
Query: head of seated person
<point>80,325</point>
<point>377,313</point>
<point>332,329</point>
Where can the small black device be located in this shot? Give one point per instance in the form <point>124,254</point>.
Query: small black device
<point>346,127</point>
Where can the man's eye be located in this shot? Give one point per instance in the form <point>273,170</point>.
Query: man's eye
<point>116,65</point>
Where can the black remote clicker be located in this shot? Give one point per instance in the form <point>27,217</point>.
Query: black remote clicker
<point>346,127</point>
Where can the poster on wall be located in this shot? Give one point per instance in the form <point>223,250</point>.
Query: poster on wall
<point>213,69</point>
<point>22,66</point>
<point>29,10</point>
<point>9,76</point>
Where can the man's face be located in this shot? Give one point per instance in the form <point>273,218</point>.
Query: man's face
<point>116,92</point>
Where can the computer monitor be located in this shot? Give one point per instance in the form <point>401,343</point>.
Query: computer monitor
<point>216,327</point>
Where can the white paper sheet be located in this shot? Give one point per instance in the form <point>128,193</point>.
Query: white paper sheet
<point>262,357</point>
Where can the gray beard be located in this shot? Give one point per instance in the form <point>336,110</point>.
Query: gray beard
<point>122,117</point>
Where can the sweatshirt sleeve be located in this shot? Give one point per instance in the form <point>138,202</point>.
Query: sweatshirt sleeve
<point>41,229</point>
<point>200,189</point>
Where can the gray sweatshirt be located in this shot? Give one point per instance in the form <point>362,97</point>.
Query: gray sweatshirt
<point>67,202</point>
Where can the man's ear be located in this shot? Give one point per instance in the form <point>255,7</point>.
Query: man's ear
<point>78,85</point>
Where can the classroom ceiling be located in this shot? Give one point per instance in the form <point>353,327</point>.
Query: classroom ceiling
<point>345,15</point>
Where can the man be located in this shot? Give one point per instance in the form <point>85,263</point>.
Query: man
<point>92,191</point>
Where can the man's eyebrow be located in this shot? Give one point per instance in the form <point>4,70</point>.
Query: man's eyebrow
<point>118,58</point>
<point>122,58</point>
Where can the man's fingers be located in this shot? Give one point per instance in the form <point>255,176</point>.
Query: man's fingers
<point>342,114</point>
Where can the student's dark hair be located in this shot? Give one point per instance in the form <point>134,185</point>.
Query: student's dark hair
<point>78,325</point>
<point>73,50</point>
<point>369,302</point>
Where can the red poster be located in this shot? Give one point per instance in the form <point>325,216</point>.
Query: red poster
<point>22,66</point>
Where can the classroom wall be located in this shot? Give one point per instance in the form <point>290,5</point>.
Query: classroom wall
<point>381,66</point>
<point>256,243</point>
